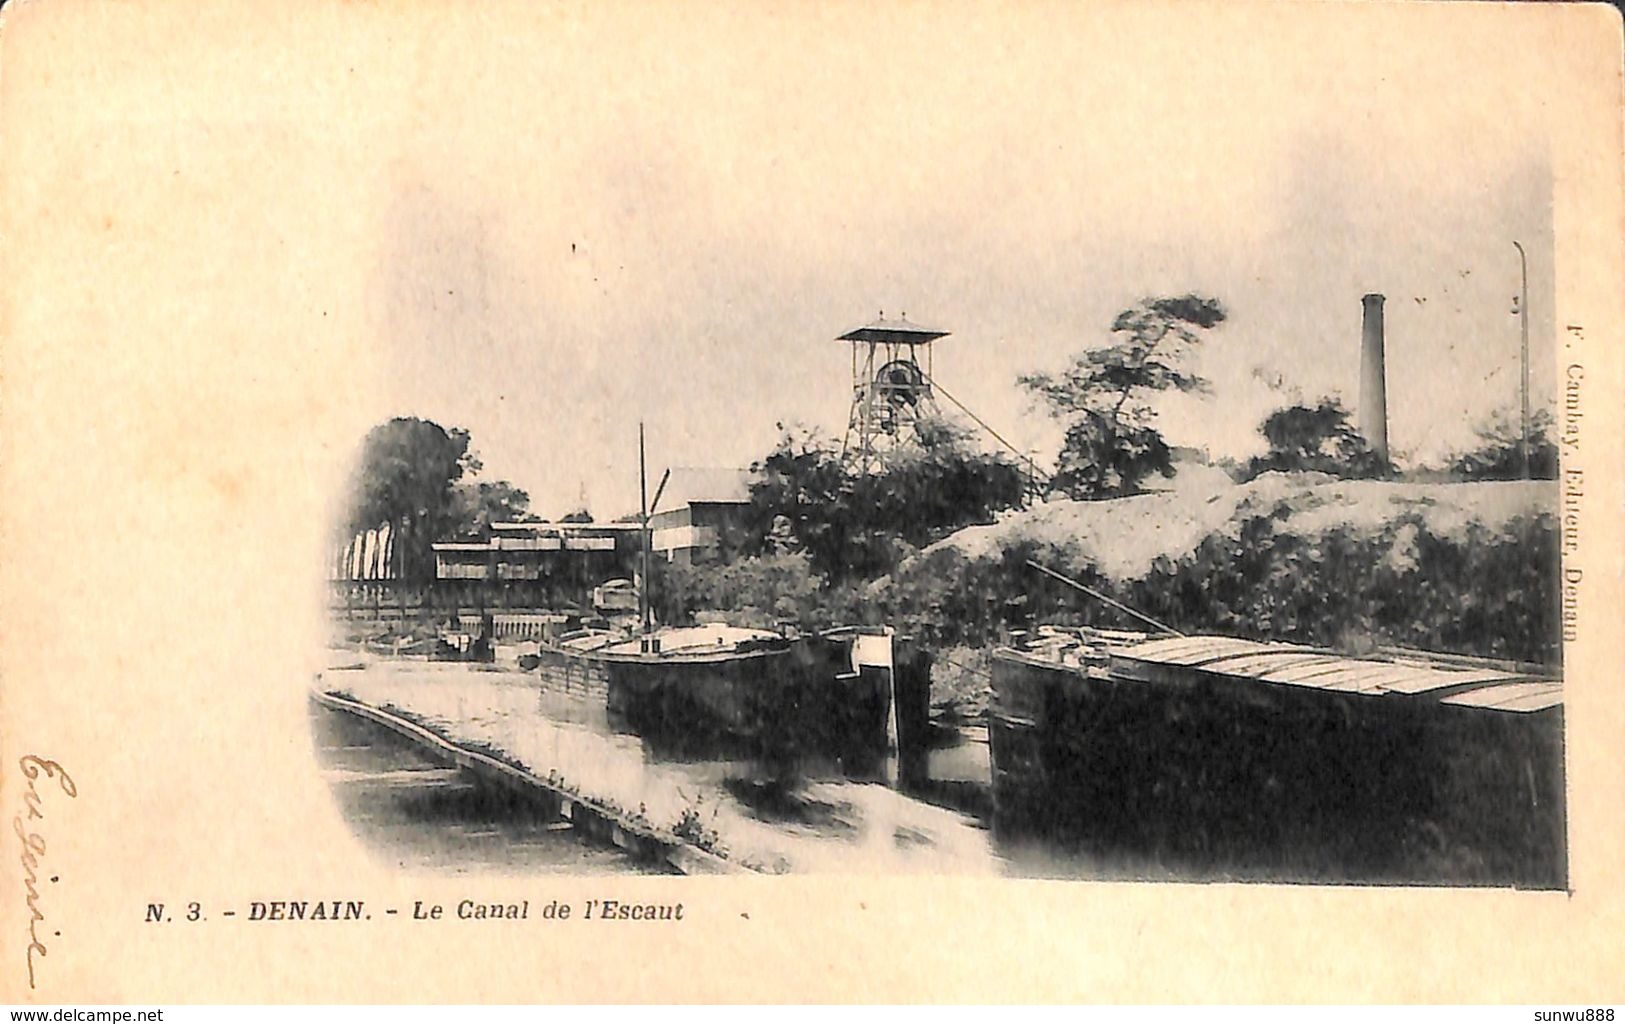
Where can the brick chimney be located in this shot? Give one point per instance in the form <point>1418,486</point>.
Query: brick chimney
<point>1373,412</point>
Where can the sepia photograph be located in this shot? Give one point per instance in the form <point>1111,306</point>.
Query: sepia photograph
<point>781,503</point>
<point>1049,500</point>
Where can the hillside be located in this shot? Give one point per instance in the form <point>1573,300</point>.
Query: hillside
<point>1122,539</point>
<point>1466,567</point>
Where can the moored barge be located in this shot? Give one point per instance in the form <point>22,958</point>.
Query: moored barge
<point>1217,758</point>
<point>718,692</point>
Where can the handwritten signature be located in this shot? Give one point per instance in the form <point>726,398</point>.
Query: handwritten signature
<point>34,843</point>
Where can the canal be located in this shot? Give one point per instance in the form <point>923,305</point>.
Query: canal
<point>419,813</point>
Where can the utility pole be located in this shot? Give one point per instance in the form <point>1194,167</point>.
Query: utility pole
<point>1523,325</point>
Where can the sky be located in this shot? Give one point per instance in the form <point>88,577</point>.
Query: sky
<point>575,227</point>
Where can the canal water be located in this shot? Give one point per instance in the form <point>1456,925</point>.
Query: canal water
<point>421,814</point>
<point>416,814</point>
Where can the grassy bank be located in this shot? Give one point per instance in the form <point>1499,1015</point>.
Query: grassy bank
<point>1463,567</point>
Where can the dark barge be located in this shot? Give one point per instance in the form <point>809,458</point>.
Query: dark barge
<point>1219,758</point>
<point>835,700</point>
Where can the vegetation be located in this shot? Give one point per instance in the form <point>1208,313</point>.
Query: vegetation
<point>1112,444</point>
<point>411,476</point>
<point>476,505</point>
<point>855,526</point>
<point>816,529</point>
<point>1498,454</point>
<point>1480,591</point>
<point>758,590</point>
<point>1316,438</point>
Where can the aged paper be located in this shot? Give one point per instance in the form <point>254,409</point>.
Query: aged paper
<point>226,235</point>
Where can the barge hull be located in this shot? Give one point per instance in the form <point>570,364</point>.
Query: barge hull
<point>1197,774</point>
<point>785,707</point>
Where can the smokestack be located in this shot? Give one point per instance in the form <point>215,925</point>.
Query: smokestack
<point>1373,418</point>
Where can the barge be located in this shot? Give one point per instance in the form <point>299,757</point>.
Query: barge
<point>832,700</point>
<point>1219,758</point>
<point>716,692</point>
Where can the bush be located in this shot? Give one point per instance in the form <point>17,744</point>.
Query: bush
<point>854,525</point>
<point>759,591</point>
<point>1488,593</point>
<point>1100,458</point>
<point>1498,454</point>
<point>1317,438</point>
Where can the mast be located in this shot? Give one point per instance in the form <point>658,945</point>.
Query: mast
<point>645,612</point>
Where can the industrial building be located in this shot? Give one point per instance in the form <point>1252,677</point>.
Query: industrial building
<point>575,556</point>
<point>695,510</point>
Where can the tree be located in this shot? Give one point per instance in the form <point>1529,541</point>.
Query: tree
<point>411,475</point>
<point>794,494</point>
<point>759,591</point>
<point>923,493</point>
<point>1316,438</point>
<point>580,515</point>
<point>405,478</point>
<point>1112,443</point>
<point>1498,454</point>
<point>476,505</point>
<point>1103,458</point>
<point>852,525</point>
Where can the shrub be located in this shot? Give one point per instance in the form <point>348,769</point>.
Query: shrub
<point>1489,593</point>
<point>1317,438</point>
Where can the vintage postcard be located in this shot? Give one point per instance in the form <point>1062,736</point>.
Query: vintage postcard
<point>811,502</point>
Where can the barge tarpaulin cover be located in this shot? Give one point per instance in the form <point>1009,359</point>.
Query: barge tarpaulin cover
<point>1215,757</point>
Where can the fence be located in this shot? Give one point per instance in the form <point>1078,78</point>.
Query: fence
<point>521,609</point>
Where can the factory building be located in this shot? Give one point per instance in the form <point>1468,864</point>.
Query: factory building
<point>695,510</point>
<point>560,563</point>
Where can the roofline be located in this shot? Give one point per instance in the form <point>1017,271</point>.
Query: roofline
<point>690,502</point>
<point>567,527</point>
<point>674,501</point>
<point>900,331</point>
